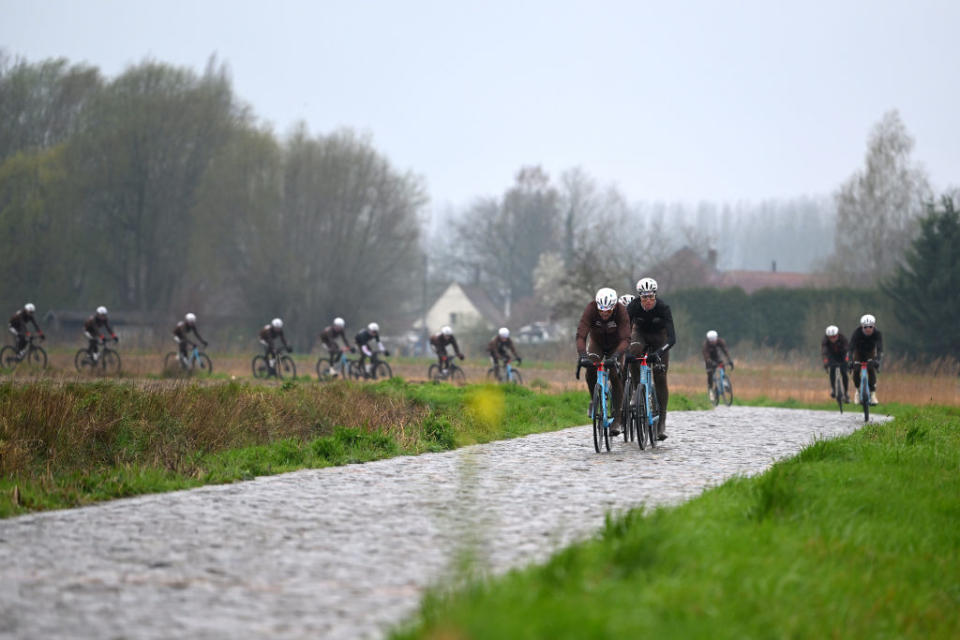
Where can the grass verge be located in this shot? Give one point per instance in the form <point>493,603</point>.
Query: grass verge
<point>853,538</point>
<point>69,444</point>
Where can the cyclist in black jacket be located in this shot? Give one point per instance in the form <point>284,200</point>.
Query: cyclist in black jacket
<point>365,336</point>
<point>92,327</point>
<point>182,330</point>
<point>653,333</point>
<point>833,348</point>
<point>866,345</point>
<point>18,326</point>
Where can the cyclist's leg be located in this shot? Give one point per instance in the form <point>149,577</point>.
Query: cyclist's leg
<point>22,341</point>
<point>91,344</point>
<point>834,372</point>
<point>845,380</point>
<point>616,397</point>
<point>710,370</point>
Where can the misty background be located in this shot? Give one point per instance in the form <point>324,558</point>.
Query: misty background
<point>537,152</point>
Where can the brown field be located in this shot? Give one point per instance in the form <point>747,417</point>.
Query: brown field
<point>751,380</point>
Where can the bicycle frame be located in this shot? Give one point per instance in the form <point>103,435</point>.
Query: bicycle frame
<point>864,389</point>
<point>719,377</point>
<point>604,379</point>
<point>508,370</point>
<point>646,380</point>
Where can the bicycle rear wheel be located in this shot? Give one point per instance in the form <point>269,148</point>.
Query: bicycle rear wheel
<point>433,372</point>
<point>492,375</point>
<point>260,367</point>
<point>286,368</point>
<point>8,357</point>
<point>382,371</point>
<point>171,362</point>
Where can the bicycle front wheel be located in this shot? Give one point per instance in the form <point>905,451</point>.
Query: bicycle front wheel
<point>204,364</point>
<point>286,368</point>
<point>838,389</point>
<point>597,419</point>
<point>515,377</point>
<point>8,357</point>
<point>382,371</point>
<point>37,358</point>
<point>457,376</point>
<point>727,391</point>
<point>260,367</point>
<point>110,361</point>
<point>626,411</point>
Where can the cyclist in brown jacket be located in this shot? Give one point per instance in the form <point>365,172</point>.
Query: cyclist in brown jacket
<point>497,348</point>
<point>604,332</point>
<point>440,341</point>
<point>712,347</point>
<point>833,348</point>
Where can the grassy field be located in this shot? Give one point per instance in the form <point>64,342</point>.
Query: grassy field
<point>852,538</point>
<point>68,443</point>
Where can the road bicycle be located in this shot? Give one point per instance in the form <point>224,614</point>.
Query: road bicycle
<point>344,368</point>
<point>379,369</point>
<point>271,364</point>
<point>645,410</point>
<point>33,354</point>
<point>106,360</point>
<point>446,370</point>
<point>195,360</point>
<point>864,391</point>
<point>510,373</point>
<point>838,373</point>
<point>601,414</point>
<point>722,389</point>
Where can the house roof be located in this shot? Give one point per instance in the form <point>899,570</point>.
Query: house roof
<point>751,281</point>
<point>485,306</point>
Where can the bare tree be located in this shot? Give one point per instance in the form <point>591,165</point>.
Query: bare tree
<point>878,207</point>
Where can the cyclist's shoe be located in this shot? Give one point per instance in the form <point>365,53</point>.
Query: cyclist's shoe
<point>873,397</point>
<point>712,395</point>
<point>614,430</point>
<point>833,394</point>
<point>332,372</point>
<point>856,397</point>
<point>661,436</point>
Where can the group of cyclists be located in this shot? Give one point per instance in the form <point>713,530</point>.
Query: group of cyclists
<point>865,345</point>
<point>610,327</point>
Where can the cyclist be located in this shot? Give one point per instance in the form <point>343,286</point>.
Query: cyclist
<point>328,337</point>
<point>626,299</point>
<point>497,348</point>
<point>180,332</point>
<point>18,327</point>
<point>603,332</point>
<point>268,334</point>
<point>653,333</point>
<point>866,345</point>
<point>439,343</point>
<point>91,329</point>
<point>712,347</point>
<point>363,338</point>
<point>833,348</point>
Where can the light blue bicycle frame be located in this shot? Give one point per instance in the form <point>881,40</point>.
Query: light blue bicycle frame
<point>646,381</point>
<point>603,379</point>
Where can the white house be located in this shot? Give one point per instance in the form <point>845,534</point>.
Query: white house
<point>461,306</point>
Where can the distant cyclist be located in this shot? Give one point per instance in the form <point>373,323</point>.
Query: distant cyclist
<point>653,333</point>
<point>712,347</point>
<point>498,347</point>
<point>604,332</point>
<point>182,330</point>
<point>363,339</point>
<point>268,334</point>
<point>92,330</point>
<point>833,348</point>
<point>329,336</point>
<point>439,343</point>
<point>866,345</point>
<point>18,327</point>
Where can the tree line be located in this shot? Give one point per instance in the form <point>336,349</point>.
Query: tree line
<point>158,190</point>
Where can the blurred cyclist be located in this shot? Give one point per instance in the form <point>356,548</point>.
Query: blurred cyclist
<point>604,332</point>
<point>497,348</point>
<point>866,345</point>
<point>833,348</point>
<point>653,334</point>
<point>439,343</point>
<point>18,327</point>
<point>92,327</point>
<point>712,347</point>
<point>180,332</point>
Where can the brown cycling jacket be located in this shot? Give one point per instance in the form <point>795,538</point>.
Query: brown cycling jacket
<point>611,335</point>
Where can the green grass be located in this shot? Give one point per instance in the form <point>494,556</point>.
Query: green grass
<point>853,538</point>
<point>69,444</point>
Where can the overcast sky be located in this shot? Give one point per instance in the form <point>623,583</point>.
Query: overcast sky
<point>669,100</point>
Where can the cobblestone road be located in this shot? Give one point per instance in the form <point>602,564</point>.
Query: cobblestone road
<point>344,552</point>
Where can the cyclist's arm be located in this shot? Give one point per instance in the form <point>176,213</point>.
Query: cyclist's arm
<point>584,327</point>
<point>671,331</point>
<point>199,337</point>
<point>456,347</point>
<point>35,325</point>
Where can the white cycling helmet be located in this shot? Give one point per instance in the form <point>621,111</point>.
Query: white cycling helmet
<point>190,318</point>
<point>447,331</point>
<point>646,285</point>
<point>339,323</point>
<point>868,321</point>
<point>712,335</point>
<point>832,330</point>
<point>29,308</point>
<point>606,299</point>
<point>101,311</point>
<point>373,327</point>
<point>626,299</point>
<point>504,333</point>
<point>276,323</point>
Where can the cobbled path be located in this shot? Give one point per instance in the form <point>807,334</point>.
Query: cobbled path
<point>346,552</point>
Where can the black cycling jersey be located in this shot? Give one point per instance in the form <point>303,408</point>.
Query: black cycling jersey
<point>659,319</point>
